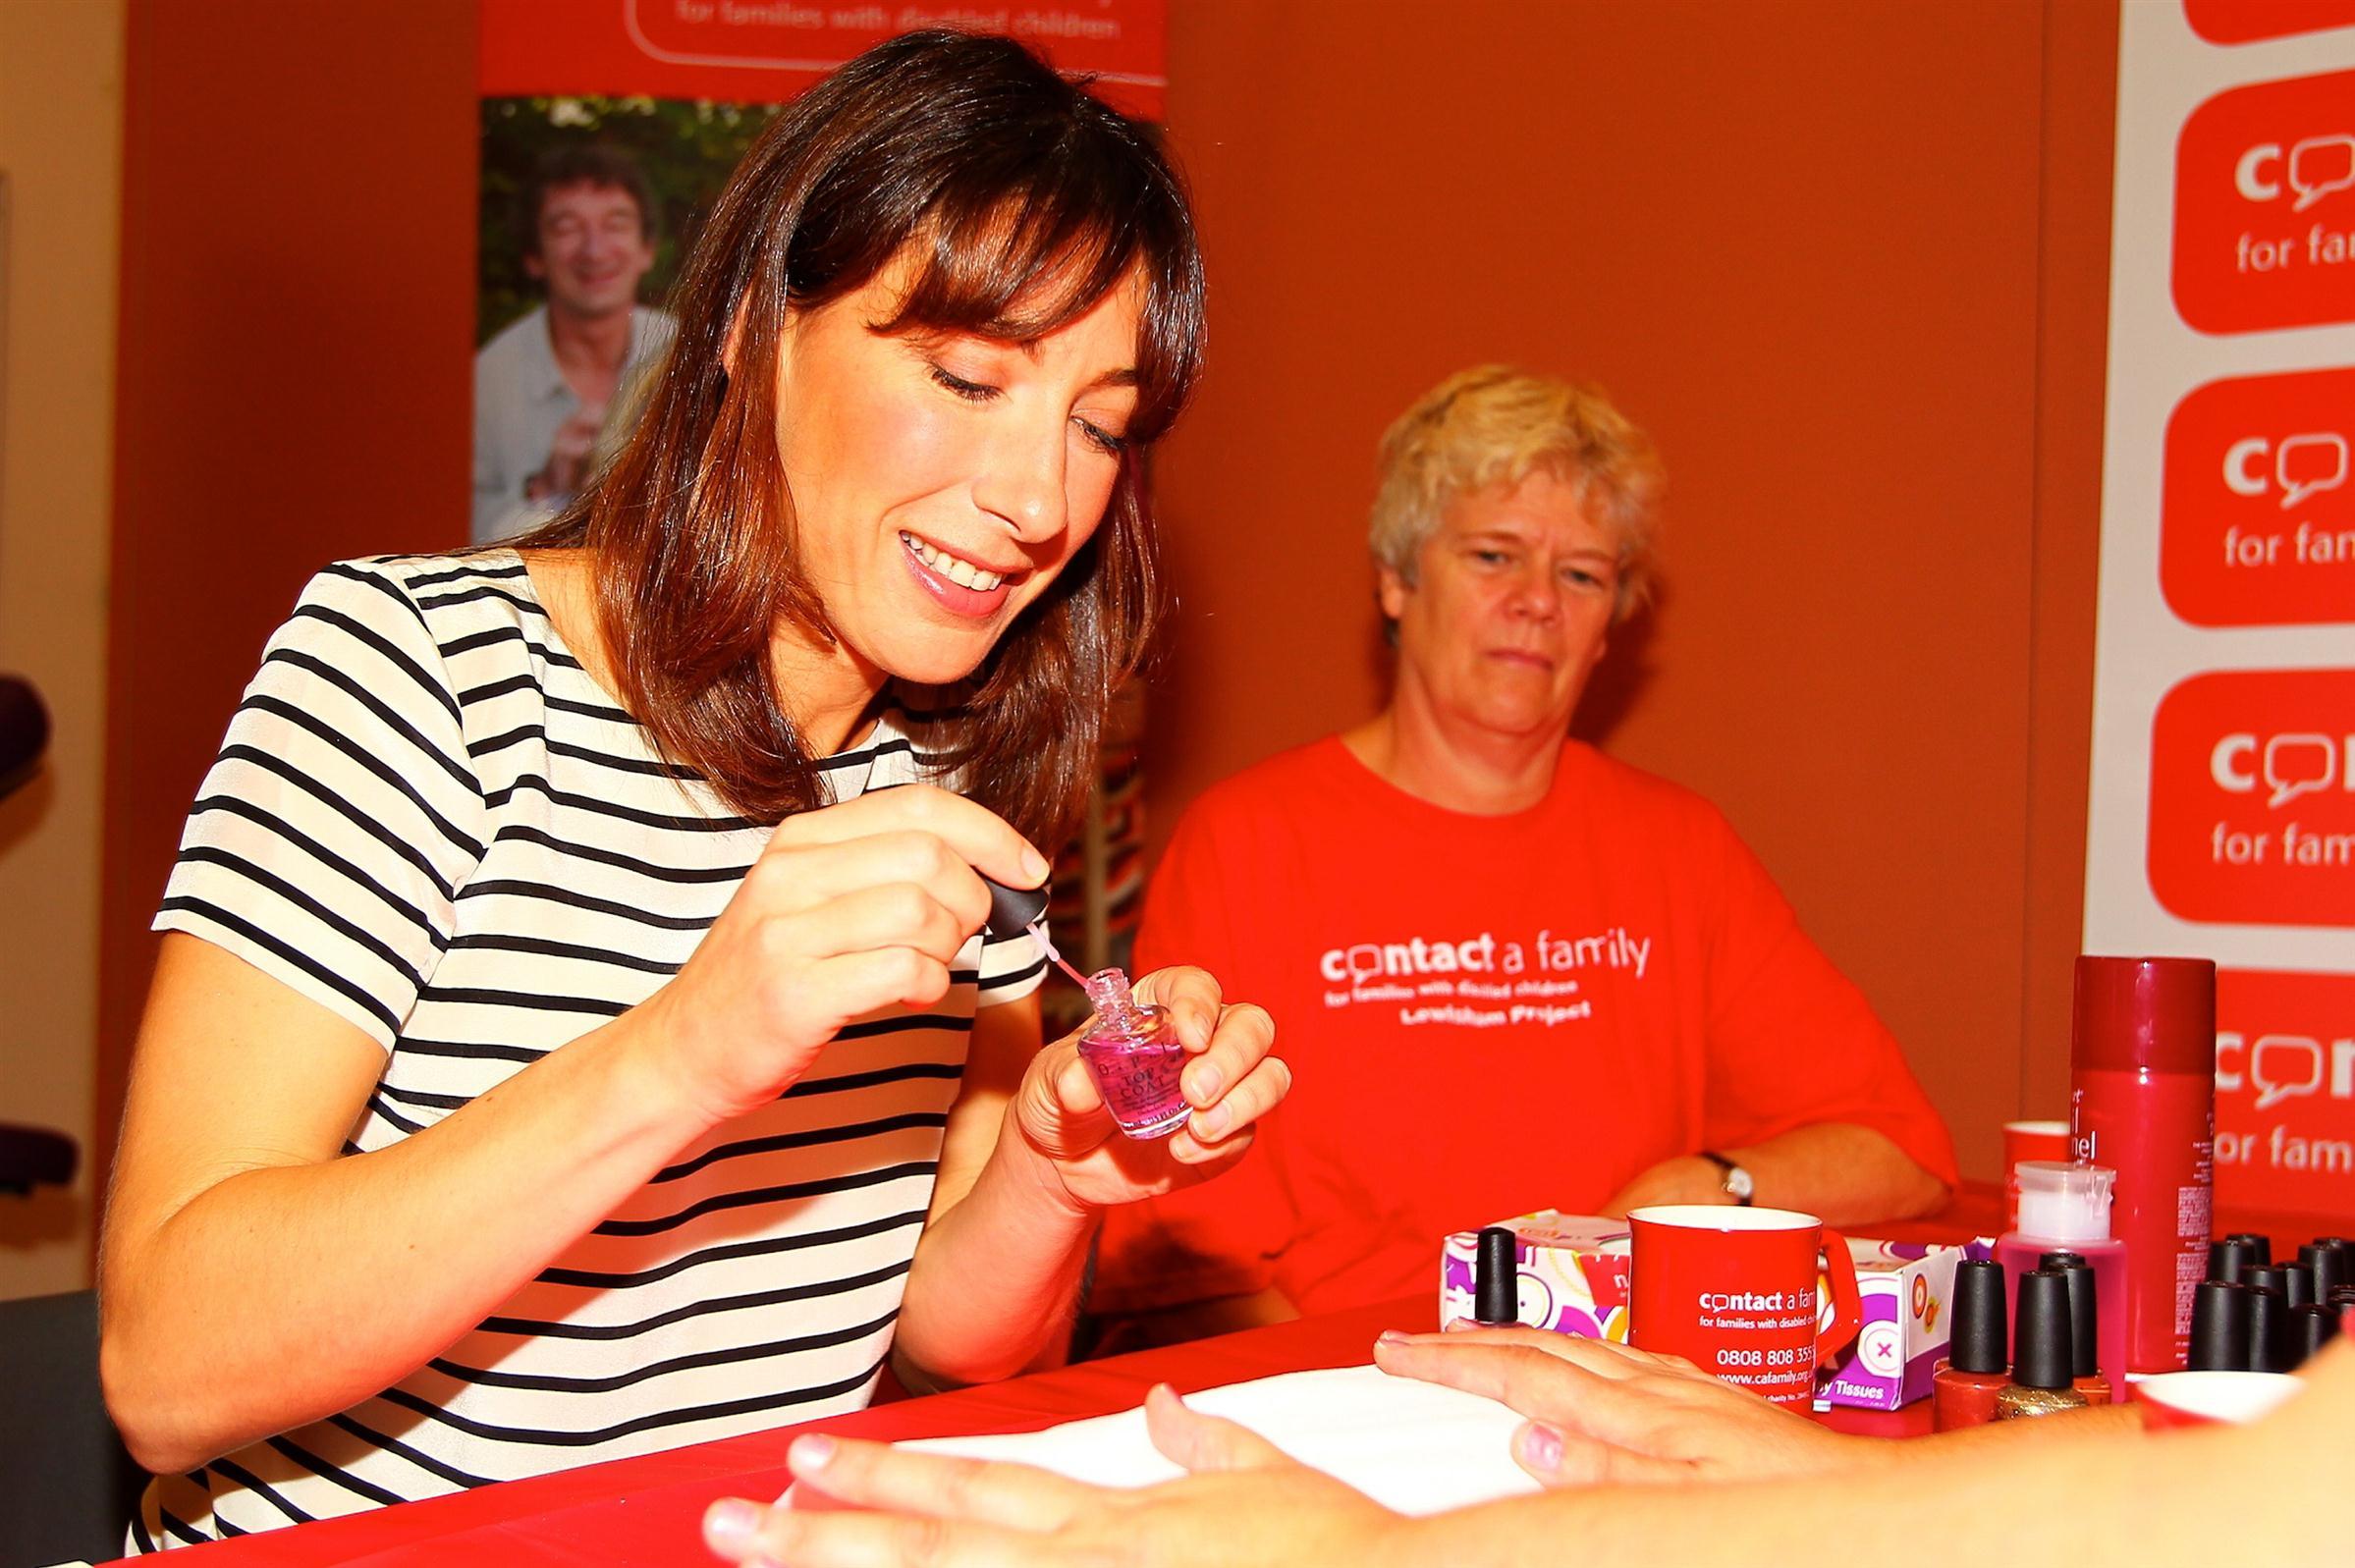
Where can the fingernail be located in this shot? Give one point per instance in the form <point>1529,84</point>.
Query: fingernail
<point>1541,1445</point>
<point>1456,1325</point>
<point>731,1523</point>
<point>1034,865</point>
<point>1207,1081</point>
<point>1389,1337</point>
<point>1214,1120</point>
<point>810,1454</point>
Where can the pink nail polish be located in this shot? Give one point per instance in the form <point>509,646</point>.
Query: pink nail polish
<point>731,1522</point>
<point>1542,1445</point>
<point>813,1452</point>
<point>1133,1055</point>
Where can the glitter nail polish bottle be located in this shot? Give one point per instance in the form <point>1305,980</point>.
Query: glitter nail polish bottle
<point>2043,1367</point>
<point>1133,1055</point>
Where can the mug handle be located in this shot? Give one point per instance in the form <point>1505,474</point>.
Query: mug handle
<point>1847,1305</point>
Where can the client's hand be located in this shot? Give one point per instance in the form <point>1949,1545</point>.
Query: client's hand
<point>1603,1411</point>
<point>1244,1503</point>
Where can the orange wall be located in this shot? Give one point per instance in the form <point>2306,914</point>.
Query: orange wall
<point>297,333</point>
<point>1803,245</point>
<point>1805,242</point>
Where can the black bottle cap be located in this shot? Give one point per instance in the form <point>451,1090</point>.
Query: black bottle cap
<point>2343,1297</point>
<point>2085,1313</point>
<point>1497,1278</point>
<point>1012,910</point>
<point>2231,1258</point>
<point>2299,1278</point>
<point>2062,1260</point>
<point>2042,1353</point>
<point>2312,1328</point>
<point>1978,1343</point>
<point>2220,1326</point>
<point>2260,1247</point>
<point>2268,1276</point>
<point>2271,1348</point>
<point>2333,1266</point>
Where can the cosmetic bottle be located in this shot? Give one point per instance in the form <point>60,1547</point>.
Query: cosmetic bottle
<point>2256,1250</point>
<point>2042,1371</point>
<point>2220,1326</point>
<point>2333,1266</point>
<point>1497,1278</point>
<point>1133,1055</point>
<point>2231,1258</point>
<point>2066,1207</point>
<point>2085,1320</point>
<point>2143,1102</point>
<point>2271,1348</point>
<point>2310,1328</point>
<point>1963,1388</point>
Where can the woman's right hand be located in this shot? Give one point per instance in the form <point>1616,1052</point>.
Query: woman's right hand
<point>849,909</point>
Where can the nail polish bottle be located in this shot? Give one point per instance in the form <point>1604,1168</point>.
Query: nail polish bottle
<point>1133,1055</point>
<point>2258,1250</point>
<point>2310,1328</point>
<point>2231,1258</point>
<point>2041,1369</point>
<point>2334,1266</point>
<point>2269,1346</point>
<point>1963,1388</point>
<point>2220,1326</point>
<point>1497,1278</point>
<point>2085,1324</point>
<point>2064,1207</point>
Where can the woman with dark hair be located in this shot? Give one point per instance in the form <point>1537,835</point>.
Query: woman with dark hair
<point>565,1042</point>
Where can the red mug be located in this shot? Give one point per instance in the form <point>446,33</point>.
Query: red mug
<point>1733,1291</point>
<point>2029,1140</point>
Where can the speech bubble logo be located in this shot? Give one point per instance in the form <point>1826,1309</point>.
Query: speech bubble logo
<point>2309,464</point>
<point>2274,1087</point>
<point>2283,773</point>
<point>2319,165</point>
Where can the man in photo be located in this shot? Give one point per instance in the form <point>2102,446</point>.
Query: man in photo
<point>547,384</point>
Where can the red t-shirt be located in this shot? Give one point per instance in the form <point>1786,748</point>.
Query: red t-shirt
<point>1484,1016</point>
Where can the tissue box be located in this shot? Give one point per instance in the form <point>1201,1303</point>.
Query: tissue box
<point>1572,1268</point>
<point>1904,1287</point>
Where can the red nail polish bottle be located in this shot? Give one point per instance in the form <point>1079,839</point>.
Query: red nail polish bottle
<point>1963,1388</point>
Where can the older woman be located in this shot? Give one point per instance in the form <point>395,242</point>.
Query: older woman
<point>1514,973</point>
<point>563,1044</point>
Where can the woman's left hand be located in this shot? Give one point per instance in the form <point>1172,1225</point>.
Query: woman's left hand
<point>1244,1503</point>
<point>1229,1078</point>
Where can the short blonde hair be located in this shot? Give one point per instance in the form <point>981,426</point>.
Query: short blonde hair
<point>1492,426</point>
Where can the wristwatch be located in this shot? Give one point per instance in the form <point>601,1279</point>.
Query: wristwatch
<point>1739,1186</point>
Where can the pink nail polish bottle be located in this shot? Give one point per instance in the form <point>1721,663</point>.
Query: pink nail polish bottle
<point>1133,1055</point>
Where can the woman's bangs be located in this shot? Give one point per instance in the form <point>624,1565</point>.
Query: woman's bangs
<point>1024,265</point>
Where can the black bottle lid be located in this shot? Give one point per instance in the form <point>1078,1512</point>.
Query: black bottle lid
<point>1497,1278</point>
<point>1012,910</point>
<point>2334,1266</point>
<point>2261,1248</point>
<point>2085,1311</point>
<point>2271,1348</point>
<point>2220,1326</point>
<point>2343,1297</point>
<point>2299,1278</point>
<point>2230,1257</point>
<point>2268,1276</point>
<point>2312,1328</point>
<point>2042,1353</point>
<point>1978,1342</point>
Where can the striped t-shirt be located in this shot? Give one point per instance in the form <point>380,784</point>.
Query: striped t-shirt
<point>428,819</point>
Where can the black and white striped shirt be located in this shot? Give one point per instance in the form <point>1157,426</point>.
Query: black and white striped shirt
<point>427,818</point>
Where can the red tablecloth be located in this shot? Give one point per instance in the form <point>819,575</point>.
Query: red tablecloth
<point>648,1510</point>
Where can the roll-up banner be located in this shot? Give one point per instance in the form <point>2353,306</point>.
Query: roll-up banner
<point>2223,815</point>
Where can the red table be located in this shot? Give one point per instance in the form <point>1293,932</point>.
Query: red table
<point>648,1510</point>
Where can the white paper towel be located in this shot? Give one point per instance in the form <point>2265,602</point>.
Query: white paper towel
<point>1410,1445</point>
